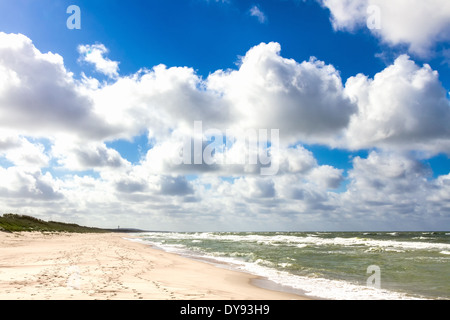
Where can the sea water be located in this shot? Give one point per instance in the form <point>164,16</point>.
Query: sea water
<point>328,265</point>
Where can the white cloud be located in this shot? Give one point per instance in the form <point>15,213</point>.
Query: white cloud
<point>152,99</point>
<point>404,106</point>
<point>296,160</point>
<point>23,153</point>
<point>79,156</point>
<point>388,186</point>
<point>38,96</point>
<point>326,177</point>
<point>95,54</point>
<point>175,186</point>
<point>251,188</point>
<point>383,174</point>
<point>240,158</point>
<point>305,100</point>
<point>440,194</point>
<point>8,141</point>
<point>20,183</point>
<point>346,14</point>
<point>416,23</point>
<point>255,11</point>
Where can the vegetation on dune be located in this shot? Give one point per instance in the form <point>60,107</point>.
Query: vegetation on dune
<point>18,223</point>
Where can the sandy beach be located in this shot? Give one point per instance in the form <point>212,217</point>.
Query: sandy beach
<point>106,266</point>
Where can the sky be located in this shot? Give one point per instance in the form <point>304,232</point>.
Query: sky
<point>227,115</point>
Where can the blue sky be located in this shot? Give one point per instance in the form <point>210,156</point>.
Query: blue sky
<point>92,118</point>
<point>206,35</point>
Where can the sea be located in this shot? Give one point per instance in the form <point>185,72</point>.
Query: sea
<point>325,265</point>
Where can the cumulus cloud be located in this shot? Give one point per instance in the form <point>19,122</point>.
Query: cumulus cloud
<point>95,54</point>
<point>23,153</point>
<point>130,185</point>
<point>346,14</point>
<point>404,106</point>
<point>418,24</point>
<point>26,183</point>
<point>242,157</point>
<point>387,183</point>
<point>326,176</point>
<point>439,196</point>
<point>8,142</point>
<point>79,156</point>
<point>152,99</point>
<point>392,172</point>
<point>255,187</point>
<point>305,100</point>
<point>38,96</point>
<point>175,186</point>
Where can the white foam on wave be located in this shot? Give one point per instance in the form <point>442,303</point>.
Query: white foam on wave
<point>312,286</point>
<point>316,286</point>
<point>303,241</point>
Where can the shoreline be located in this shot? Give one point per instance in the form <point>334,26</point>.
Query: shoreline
<point>65,266</point>
<point>256,280</point>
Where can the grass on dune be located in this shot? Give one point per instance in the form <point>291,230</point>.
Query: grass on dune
<point>18,223</point>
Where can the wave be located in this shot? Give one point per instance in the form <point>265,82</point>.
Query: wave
<point>306,240</point>
<point>313,286</point>
<point>319,287</point>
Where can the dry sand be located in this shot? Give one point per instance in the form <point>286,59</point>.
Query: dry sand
<point>106,266</point>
